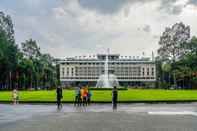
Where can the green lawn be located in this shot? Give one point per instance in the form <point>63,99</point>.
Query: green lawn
<point>105,95</point>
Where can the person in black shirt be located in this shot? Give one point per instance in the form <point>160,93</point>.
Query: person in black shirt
<point>114,97</point>
<point>59,97</point>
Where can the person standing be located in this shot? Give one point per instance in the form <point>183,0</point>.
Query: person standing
<point>15,96</point>
<point>85,95</point>
<point>81,95</point>
<point>77,97</point>
<point>89,96</point>
<point>114,97</point>
<point>59,97</point>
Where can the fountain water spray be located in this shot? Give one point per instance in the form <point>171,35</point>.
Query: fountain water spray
<point>107,80</point>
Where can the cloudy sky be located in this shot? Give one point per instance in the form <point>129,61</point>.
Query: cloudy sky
<point>80,27</point>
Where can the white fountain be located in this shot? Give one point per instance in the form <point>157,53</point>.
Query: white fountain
<point>107,80</point>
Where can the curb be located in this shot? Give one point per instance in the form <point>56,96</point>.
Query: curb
<point>107,102</point>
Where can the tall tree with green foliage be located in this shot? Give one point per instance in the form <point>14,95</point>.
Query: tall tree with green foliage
<point>190,60</point>
<point>192,46</point>
<point>172,44</point>
<point>8,51</point>
<point>42,71</point>
<point>26,68</point>
<point>30,49</point>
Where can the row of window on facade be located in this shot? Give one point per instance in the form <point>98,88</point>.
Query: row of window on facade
<point>103,63</point>
<point>147,71</point>
<point>93,73</point>
<point>95,78</point>
<point>99,72</point>
<point>102,68</point>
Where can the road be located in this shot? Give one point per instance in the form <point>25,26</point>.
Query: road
<point>99,117</point>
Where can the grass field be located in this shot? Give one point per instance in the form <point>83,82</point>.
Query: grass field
<point>105,95</point>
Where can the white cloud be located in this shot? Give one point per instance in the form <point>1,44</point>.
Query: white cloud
<point>68,29</point>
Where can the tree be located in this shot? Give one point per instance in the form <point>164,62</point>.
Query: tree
<point>49,70</point>
<point>166,67</point>
<point>190,60</point>
<point>30,49</point>
<point>192,46</point>
<point>32,53</point>
<point>41,69</point>
<point>6,26</point>
<point>8,51</point>
<point>26,67</point>
<point>172,43</point>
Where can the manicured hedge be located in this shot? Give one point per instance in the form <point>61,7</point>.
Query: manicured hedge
<point>107,89</point>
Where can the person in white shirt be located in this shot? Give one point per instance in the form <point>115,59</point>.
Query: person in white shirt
<point>15,96</point>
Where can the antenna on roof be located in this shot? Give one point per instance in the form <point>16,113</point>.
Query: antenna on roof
<point>143,54</point>
<point>153,56</point>
<point>108,51</point>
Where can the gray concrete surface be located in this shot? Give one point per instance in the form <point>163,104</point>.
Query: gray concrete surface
<point>128,117</point>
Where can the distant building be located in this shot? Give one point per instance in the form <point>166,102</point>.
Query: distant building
<point>130,71</point>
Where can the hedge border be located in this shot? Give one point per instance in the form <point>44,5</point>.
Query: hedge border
<point>107,102</point>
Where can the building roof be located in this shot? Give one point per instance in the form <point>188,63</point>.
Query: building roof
<point>112,58</point>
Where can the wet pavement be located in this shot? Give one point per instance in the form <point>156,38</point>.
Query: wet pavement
<point>99,117</point>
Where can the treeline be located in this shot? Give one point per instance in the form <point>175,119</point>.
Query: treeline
<point>177,58</point>
<point>25,67</point>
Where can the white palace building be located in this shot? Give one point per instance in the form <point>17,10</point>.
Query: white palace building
<point>130,71</point>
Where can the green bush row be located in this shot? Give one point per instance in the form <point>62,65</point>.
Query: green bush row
<point>93,88</point>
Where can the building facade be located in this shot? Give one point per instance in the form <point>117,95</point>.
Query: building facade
<point>129,71</point>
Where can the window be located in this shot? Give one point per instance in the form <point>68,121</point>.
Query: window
<point>72,71</point>
<point>67,71</point>
<point>152,71</point>
<point>147,71</point>
<point>143,71</point>
<point>63,71</point>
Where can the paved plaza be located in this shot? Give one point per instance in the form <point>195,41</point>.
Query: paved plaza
<point>99,117</point>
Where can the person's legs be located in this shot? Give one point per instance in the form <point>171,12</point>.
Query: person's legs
<point>88,100</point>
<point>58,103</point>
<point>76,100</point>
<point>14,101</point>
<point>84,101</point>
<point>114,103</point>
<point>79,101</point>
<point>17,100</point>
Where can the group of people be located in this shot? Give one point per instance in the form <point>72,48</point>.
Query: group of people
<point>82,96</point>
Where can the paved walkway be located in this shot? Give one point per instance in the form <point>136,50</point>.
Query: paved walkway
<point>99,117</point>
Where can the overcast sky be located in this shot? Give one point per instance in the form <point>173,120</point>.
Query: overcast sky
<point>80,27</point>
